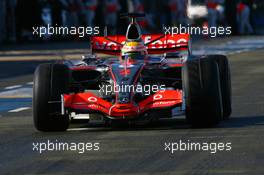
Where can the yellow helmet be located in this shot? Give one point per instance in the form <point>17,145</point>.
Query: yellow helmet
<point>134,50</point>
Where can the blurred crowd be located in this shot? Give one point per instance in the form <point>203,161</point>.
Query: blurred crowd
<point>19,16</point>
<point>241,10</point>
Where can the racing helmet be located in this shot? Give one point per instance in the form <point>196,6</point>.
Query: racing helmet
<point>134,50</point>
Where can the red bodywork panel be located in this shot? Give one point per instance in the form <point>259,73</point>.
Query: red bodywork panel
<point>90,102</point>
<point>167,43</point>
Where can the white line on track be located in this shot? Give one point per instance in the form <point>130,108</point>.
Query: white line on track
<point>13,87</point>
<point>19,109</point>
<point>30,83</point>
<point>20,92</point>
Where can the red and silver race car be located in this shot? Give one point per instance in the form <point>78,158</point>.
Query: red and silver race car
<point>148,76</point>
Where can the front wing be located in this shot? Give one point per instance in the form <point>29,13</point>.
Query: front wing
<point>88,102</point>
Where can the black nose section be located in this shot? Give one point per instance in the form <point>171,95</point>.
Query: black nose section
<point>125,81</point>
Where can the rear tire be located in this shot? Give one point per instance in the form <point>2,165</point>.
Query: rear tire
<point>50,82</point>
<point>202,92</point>
<point>225,79</point>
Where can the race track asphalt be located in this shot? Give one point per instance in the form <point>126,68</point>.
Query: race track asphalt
<point>140,149</point>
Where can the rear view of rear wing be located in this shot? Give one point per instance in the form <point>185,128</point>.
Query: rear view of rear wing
<point>155,43</point>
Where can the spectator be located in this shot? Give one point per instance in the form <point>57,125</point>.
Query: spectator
<point>162,14</point>
<point>46,13</point>
<point>181,11</point>
<point>111,9</point>
<point>64,12</point>
<point>57,7</point>
<point>173,6</point>
<point>147,22</point>
<point>221,13</point>
<point>212,13</point>
<point>130,6</point>
<point>46,16</point>
<point>89,8</point>
<point>138,6</point>
<point>126,6</point>
<point>73,12</point>
<point>243,16</point>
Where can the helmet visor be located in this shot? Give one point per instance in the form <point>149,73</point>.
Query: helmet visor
<point>133,56</point>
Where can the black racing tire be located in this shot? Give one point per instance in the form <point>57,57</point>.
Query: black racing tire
<point>202,92</point>
<point>50,82</point>
<point>225,79</point>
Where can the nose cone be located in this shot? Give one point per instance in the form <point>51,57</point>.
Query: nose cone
<point>125,78</point>
<point>121,110</point>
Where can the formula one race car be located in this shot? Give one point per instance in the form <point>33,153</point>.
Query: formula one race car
<point>148,76</point>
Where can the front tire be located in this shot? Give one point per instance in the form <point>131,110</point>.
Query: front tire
<point>50,82</point>
<point>202,92</point>
<point>225,79</point>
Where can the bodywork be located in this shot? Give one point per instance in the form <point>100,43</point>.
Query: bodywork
<point>162,66</point>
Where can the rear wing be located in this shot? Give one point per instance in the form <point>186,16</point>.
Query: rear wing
<point>155,43</point>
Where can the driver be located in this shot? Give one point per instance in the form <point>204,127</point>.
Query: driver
<point>134,51</point>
